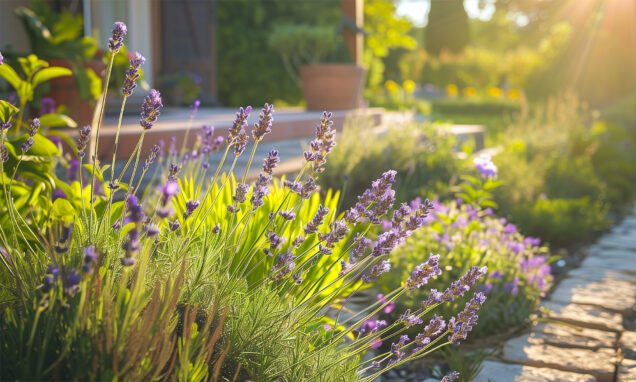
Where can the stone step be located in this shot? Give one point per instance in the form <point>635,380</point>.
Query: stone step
<point>600,362</point>
<point>626,371</point>
<point>627,344</point>
<point>585,316</point>
<point>565,335</point>
<point>614,295</point>
<point>493,371</point>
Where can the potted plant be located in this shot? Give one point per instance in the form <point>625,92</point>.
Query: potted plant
<point>318,60</point>
<point>58,38</point>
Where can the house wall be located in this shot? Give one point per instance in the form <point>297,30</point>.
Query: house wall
<point>11,30</point>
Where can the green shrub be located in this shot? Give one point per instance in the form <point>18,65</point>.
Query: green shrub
<point>474,106</point>
<point>424,158</point>
<point>462,235</point>
<point>562,222</point>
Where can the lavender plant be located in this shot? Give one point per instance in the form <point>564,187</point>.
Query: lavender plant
<point>200,276</point>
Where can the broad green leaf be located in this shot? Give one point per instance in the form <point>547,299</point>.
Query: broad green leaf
<point>31,64</point>
<point>10,75</point>
<point>47,74</point>
<point>62,209</point>
<point>7,110</point>
<point>89,84</point>
<point>57,120</point>
<point>42,146</point>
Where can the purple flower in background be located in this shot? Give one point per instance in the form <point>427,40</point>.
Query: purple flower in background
<point>82,140</point>
<point>58,193</point>
<point>532,241</point>
<point>264,125</point>
<point>33,128</point>
<point>194,108</point>
<point>424,272</point>
<point>377,270</point>
<point>486,288</point>
<point>135,211</point>
<point>195,78</point>
<point>117,40</point>
<point>132,74</point>
<point>496,275</point>
<point>150,109</point>
<point>466,320</point>
<point>389,307</point>
<point>1,59</point>
<point>71,282</point>
<point>453,375</point>
<point>516,247</point>
<point>538,271</point>
<point>47,105</point>
<point>512,287</point>
<point>174,225</point>
<point>484,165</point>
<point>510,229</point>
<point>5,254</point>
<point>90,257</point>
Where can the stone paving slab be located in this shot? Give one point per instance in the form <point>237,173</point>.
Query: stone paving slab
<point>586,316</point>
<point>502,372</point>
<point>602,275</point>
<point>600,363</point>
<point>613,295</point>
<point>616,241</point>
<point>568,336</point>
<point>615,263</point>
<point>627,344</point>
<point>626,371</point>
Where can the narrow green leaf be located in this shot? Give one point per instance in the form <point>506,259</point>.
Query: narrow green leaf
<point>47,74</point>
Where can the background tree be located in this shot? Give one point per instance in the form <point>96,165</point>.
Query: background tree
<point>447,28</point>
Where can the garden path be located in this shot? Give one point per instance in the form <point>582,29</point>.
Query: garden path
<point>592,336</point>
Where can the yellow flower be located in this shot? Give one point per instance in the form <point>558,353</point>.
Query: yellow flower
<point>495,92</point>
<point>451,90</point>
<point>409,86</point>
<point>514,94</point>
<point>391,86</point>
<point>469,92</point>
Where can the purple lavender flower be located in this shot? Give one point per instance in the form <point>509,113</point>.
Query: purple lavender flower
<point>47,105</point>
<point>516,247</point>
<point>260,190</point>
<point>298,241</point>
<point>175,225</point>
<point>532,241</point>
<point>375,202</point>
<point>287,215</point>
<point>236,134</point>
<point>82,140</point>
<point>132,74</point>
<point>57,194</point>
<point>1,59</point>
<point>316,222</point>
<point>152,231</point>
<point>510,229</point>
<point>389,307</point>
<point>338,230</point>
<point>117,40</point>
<point>170,189</point>
<point>424,272</point>
<point>270,162</point>
<point>264,125</point>
<point>241,191</point>
<point>172,172</point>
<point>435,327</point>
<point>135,211</point>
<point>150,109</point>
<point>496,275</point>
<point>5,126</point>
<point>453,375</point>
<point>459,287</point>
<point>484,165</point>
<point>396,349</point>
<point>90,257</point>
<point>466,320</point>
<point>191,205</point>
<point>361,245</point>
<point>216,229</point>
<point>275,241</point>
<point>4,154</point>
<point>409,319</point>
<point>151,157</point>
<point>323,144</point>
<point>194,108</point>
<point>377,270</point>
<point>284,265</point>
<point>512,287</point>
<point>71,282</point>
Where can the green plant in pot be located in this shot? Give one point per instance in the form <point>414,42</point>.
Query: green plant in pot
<point>58,38</point>
<point>318,60</point>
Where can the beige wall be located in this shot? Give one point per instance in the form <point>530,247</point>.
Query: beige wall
<point>11,30</point>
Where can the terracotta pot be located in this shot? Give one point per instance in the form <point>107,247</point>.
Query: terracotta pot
<point>332,86</point>
<point>64,91</point>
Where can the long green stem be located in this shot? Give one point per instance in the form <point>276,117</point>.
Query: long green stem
<point>112,167</point>
<point>99,125</point>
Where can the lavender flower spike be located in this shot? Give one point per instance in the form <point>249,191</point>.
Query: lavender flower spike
<point>484,165</point>
<point>117,40</point>
<point>150,109</point>
<point>376,271</point>
<point>236,134</point>
<point>466,320</point>
<point>264,125</point>
<point>33,128</point>
<point>271,161</point>
<point>132,74</point>
<point>194,108</point>
<point>453,375</point>
<point>151,157</point>
<point>1,59</point>
<point>82,140</point>
<point>424,272</point>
